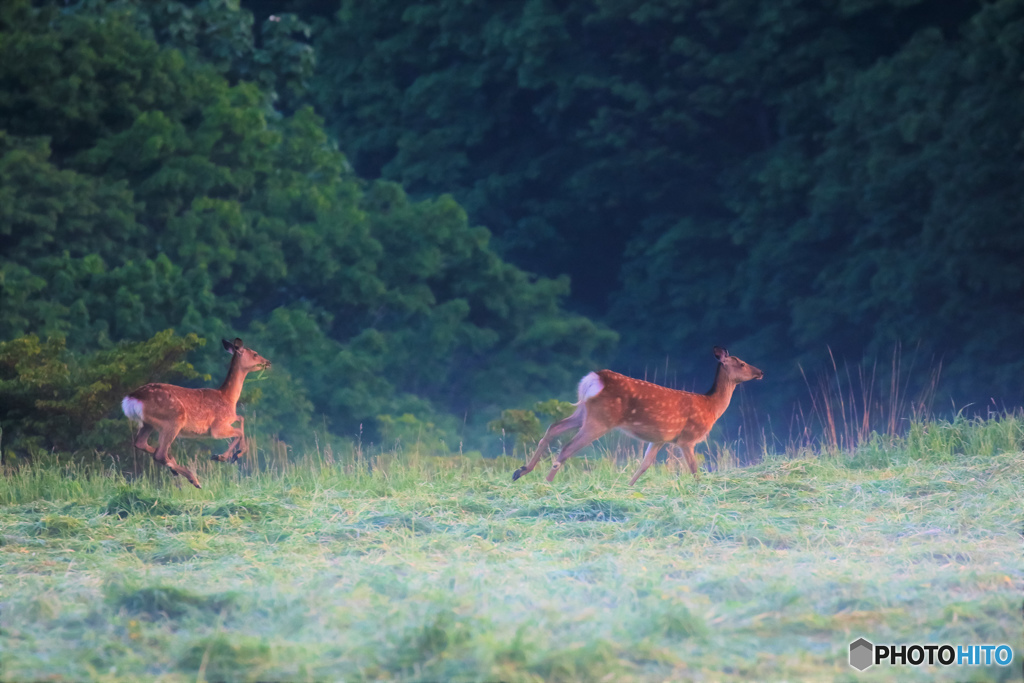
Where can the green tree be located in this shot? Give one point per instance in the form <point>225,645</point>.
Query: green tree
<point>919,188</point>
<point>778,177</point>
<point>179,199</point>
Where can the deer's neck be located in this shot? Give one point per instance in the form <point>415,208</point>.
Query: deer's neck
<point>721,392</point>
<point>232,386</point>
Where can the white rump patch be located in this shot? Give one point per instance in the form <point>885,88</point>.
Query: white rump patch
<point>132,408</point>
<point>590,386</point>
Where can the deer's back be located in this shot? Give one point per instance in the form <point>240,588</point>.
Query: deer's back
<point>651,412</point>
<point>195,409</point>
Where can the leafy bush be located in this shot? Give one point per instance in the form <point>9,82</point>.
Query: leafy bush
<point>525,426</point>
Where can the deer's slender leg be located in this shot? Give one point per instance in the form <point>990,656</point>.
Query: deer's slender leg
<point>649,455</point>
<point>142,439</point>
<point>241,446</point>
<point>691,458</point>
<point>163,457</point>
<point>225,430</point>
<point>574,421</point>
<point>590,431</point>
<point>675,457</point>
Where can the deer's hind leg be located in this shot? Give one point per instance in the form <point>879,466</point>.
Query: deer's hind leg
<point>591,430</point>
<point>142,439</point>
<point>163,456</point>
<point>574,421</point>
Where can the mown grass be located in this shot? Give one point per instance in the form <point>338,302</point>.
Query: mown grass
<point>444,569</point>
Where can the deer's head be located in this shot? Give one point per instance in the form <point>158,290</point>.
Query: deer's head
<point>247,359</point>
<point>736,370</point>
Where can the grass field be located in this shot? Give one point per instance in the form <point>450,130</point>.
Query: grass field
<point>444,569</point>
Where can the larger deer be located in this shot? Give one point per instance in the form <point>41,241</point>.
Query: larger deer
<point>649,412</point>
<point>194,413</point>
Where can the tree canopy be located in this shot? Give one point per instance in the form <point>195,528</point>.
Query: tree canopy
<point>148,187</point>
<point>780,177</point>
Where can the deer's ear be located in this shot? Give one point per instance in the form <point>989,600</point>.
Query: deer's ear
<point>720,353</point>
<point>238,344</point>
<point>228,346</point>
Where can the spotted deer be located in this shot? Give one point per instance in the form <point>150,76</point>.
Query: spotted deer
<point>649,412</point>
<point>194,413</point>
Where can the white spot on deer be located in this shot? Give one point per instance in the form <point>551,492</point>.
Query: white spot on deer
<point>590,386</point>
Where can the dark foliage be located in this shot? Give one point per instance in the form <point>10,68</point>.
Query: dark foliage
<point>784,178</point>
<point>148,184</point>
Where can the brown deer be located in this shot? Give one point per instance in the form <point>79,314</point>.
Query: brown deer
<point>649,412</point>
<point>193,413</point>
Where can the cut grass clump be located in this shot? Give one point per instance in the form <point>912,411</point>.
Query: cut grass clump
<point>389,585</point>
<point>592,661</point>
<point>419,525</point>
<point>227,658</point>
<point>422,645</point>
<point>185,546</point>
<point>728,590</point>
<point>167,601</point>
<point>58,526</point>
<point>587,510</point>
<point>768,537</point>
<point>675,621</point>
<point>131,500</point>
<point>496,532</point>
<point>251,509</point>
<point>478,507</point>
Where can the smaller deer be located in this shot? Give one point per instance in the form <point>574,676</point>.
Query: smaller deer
<point>649,412</point>
<point>194,413</point>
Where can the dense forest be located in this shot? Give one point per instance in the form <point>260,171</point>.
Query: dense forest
<point>427,212</point>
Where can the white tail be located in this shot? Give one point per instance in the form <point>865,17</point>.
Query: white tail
<point>590,386</point>
<point>608,400</point>
<point>132,408</point>
<point>174,411</point>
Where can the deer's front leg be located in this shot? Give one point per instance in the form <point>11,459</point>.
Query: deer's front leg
<point>225,430</point>
<point>674,462</point>
<point>649,455</point>
<point>241,446</point>
<point>691,458</point>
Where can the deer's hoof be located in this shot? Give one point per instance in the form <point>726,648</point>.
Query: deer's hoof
<point>518,473</point>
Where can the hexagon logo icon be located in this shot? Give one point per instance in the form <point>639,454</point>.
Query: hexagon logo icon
<point>861,654</point>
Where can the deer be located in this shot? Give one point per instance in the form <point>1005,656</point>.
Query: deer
<point>176,411</point>
<point>646,411</point>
